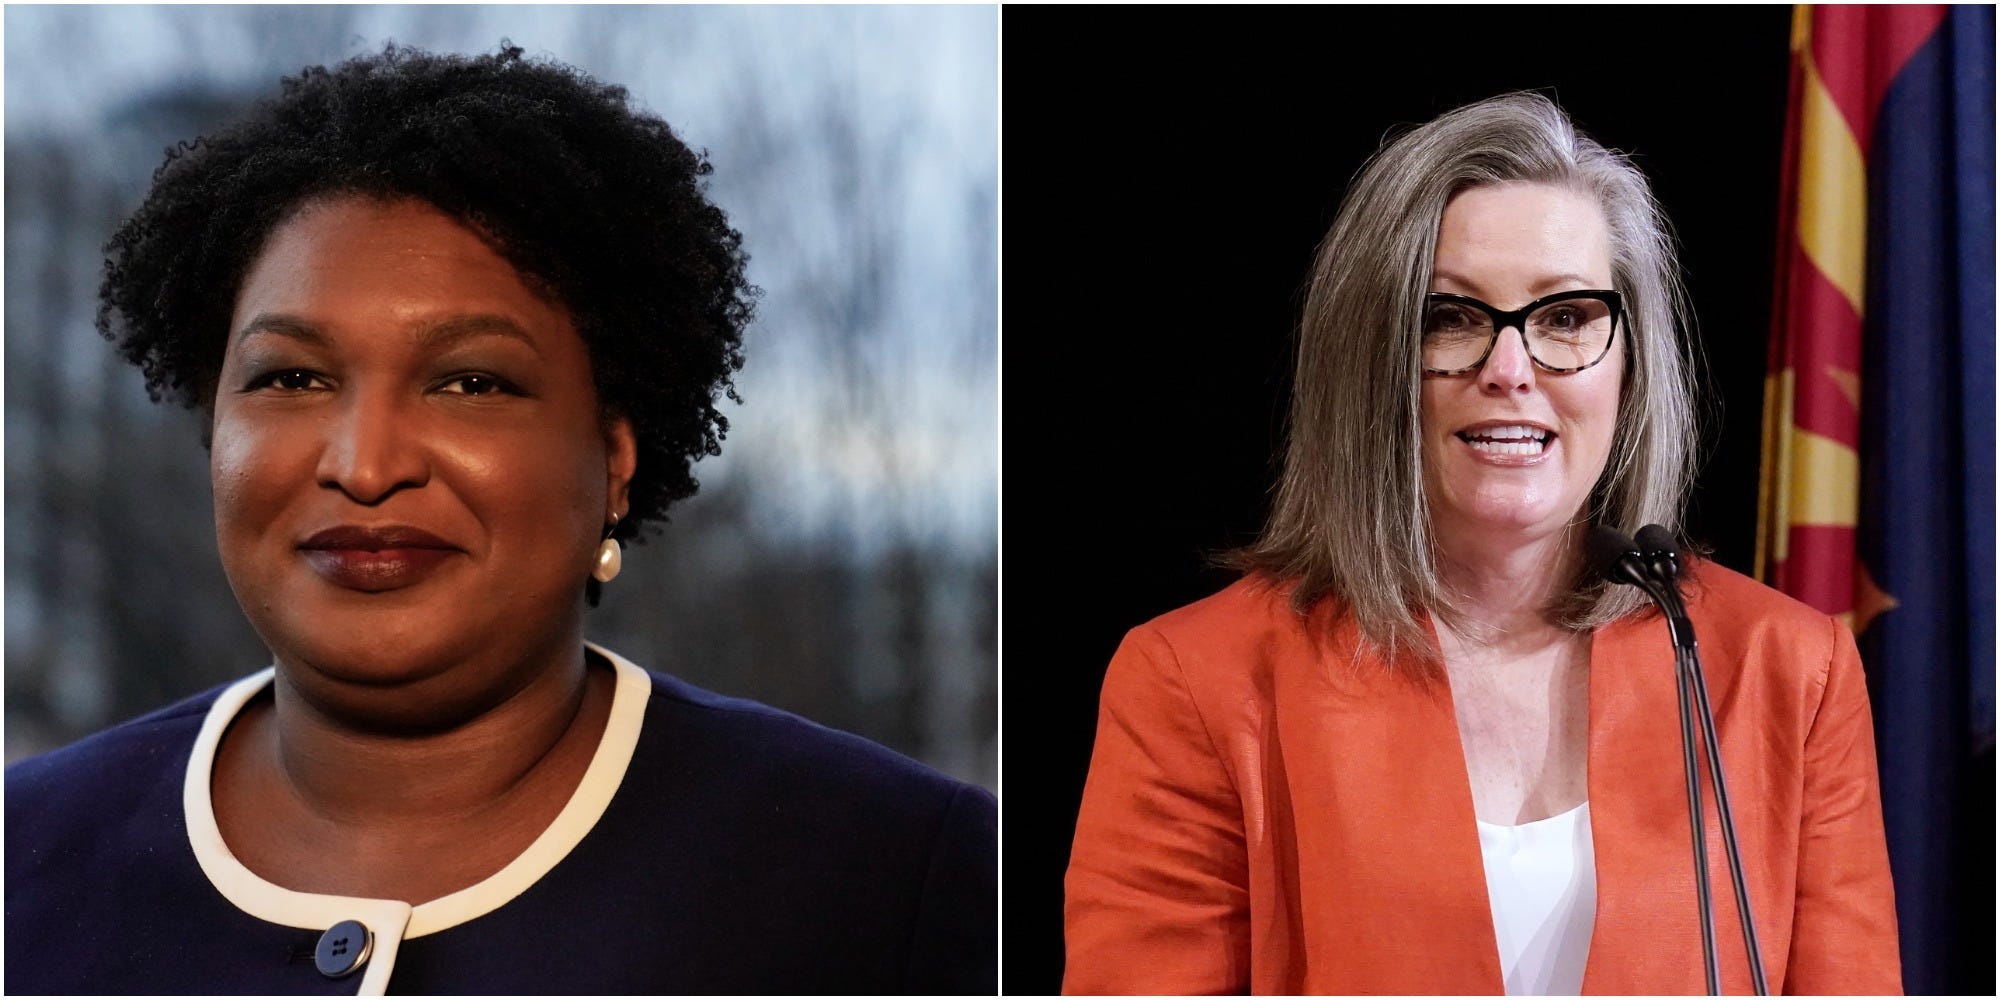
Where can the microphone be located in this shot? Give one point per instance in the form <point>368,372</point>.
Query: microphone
<point>1614,556</point>
<point>1660,557</point>
<point>1657,545</point>
<point>1652,563</point>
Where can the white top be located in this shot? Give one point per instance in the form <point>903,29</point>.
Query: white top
<point>1541,879</point>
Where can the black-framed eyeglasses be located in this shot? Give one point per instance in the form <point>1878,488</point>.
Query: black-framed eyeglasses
<point>1565,332</point>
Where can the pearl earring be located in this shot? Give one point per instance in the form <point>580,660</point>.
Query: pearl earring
<point>610,558</point>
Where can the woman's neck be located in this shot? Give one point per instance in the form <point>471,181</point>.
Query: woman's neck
<point>353,775</point>
<point>1502,587</point>
<point>313,803</point>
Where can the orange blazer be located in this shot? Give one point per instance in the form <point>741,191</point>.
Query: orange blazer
<point>1270,811</point>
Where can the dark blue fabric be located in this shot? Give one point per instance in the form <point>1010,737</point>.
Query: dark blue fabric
<point>746,851</point>
<point>1926,525</point>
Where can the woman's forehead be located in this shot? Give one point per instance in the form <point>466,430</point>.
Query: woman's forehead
<point>403,265</point>
<point>1520,240</point>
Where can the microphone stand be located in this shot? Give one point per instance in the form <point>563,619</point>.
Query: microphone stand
<point>1702,890</point>
<point>1656,573</point>
<point>1693,684</point>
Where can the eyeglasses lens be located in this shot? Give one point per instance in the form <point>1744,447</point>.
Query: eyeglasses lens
<point>1566,334</point>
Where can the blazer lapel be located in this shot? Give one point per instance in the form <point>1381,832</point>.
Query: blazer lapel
<point>1400,847</point>
<point>1639,816</point>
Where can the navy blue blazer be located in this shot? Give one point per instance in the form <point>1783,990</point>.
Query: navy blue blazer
<point>744,850</point>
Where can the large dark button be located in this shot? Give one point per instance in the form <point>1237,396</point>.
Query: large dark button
<point>343,948</point>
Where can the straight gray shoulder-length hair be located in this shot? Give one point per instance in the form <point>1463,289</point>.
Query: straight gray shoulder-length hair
<point>1350,517</point>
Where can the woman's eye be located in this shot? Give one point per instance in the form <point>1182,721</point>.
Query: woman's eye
<point>1448,321</point>
<point>290,380</point>
<point>476,385</point>
<point>1444,318</point>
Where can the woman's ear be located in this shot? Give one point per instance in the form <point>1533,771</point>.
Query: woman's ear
<point>621,461</point>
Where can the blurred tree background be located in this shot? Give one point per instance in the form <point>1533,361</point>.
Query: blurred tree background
<point>840,560</point>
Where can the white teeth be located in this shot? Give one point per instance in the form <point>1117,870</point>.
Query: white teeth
<point>1511,432</point>
<point>1509,439</point>
<point>1529,447</point>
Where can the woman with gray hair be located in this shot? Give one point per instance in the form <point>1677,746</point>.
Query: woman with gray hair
<point>1420,747</point>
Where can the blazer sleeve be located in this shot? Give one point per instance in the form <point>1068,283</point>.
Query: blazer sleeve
<point>1156,899</point>
<point>955,945</point>
<point>1844,919</point>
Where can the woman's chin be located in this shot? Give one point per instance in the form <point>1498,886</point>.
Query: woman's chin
<point>364,663</point>
<point>373,646</point>
<point>1502,524</point>
<point>403,668</point>
<point>403,695</point>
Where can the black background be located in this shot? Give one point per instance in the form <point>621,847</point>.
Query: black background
<point>1167,174</point>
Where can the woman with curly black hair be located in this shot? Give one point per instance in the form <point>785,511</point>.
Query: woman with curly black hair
<point>459,326</point>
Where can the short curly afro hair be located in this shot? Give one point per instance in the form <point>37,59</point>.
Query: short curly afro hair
<point>598,205</point>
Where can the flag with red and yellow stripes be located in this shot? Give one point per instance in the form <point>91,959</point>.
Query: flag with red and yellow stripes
<point>1843,60</point>
<point>1877,499</point>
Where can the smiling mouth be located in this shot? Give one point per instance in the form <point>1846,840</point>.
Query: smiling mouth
<point>375,559</point>
<point>374,571</point>
<point>1517,439</point>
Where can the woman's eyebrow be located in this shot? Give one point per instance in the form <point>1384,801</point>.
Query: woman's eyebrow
<point>284,325</point>
<point>433,334</point>
<point>451,330</point>
<point>1546,285</point>
<point>1564,282</point>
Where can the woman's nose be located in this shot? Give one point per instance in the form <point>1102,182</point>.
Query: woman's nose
<point>370,450</point>
<point>1508,367</point>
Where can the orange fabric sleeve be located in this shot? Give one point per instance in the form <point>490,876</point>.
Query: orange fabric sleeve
<point>1844,922</point>
<point>1156,898</point>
